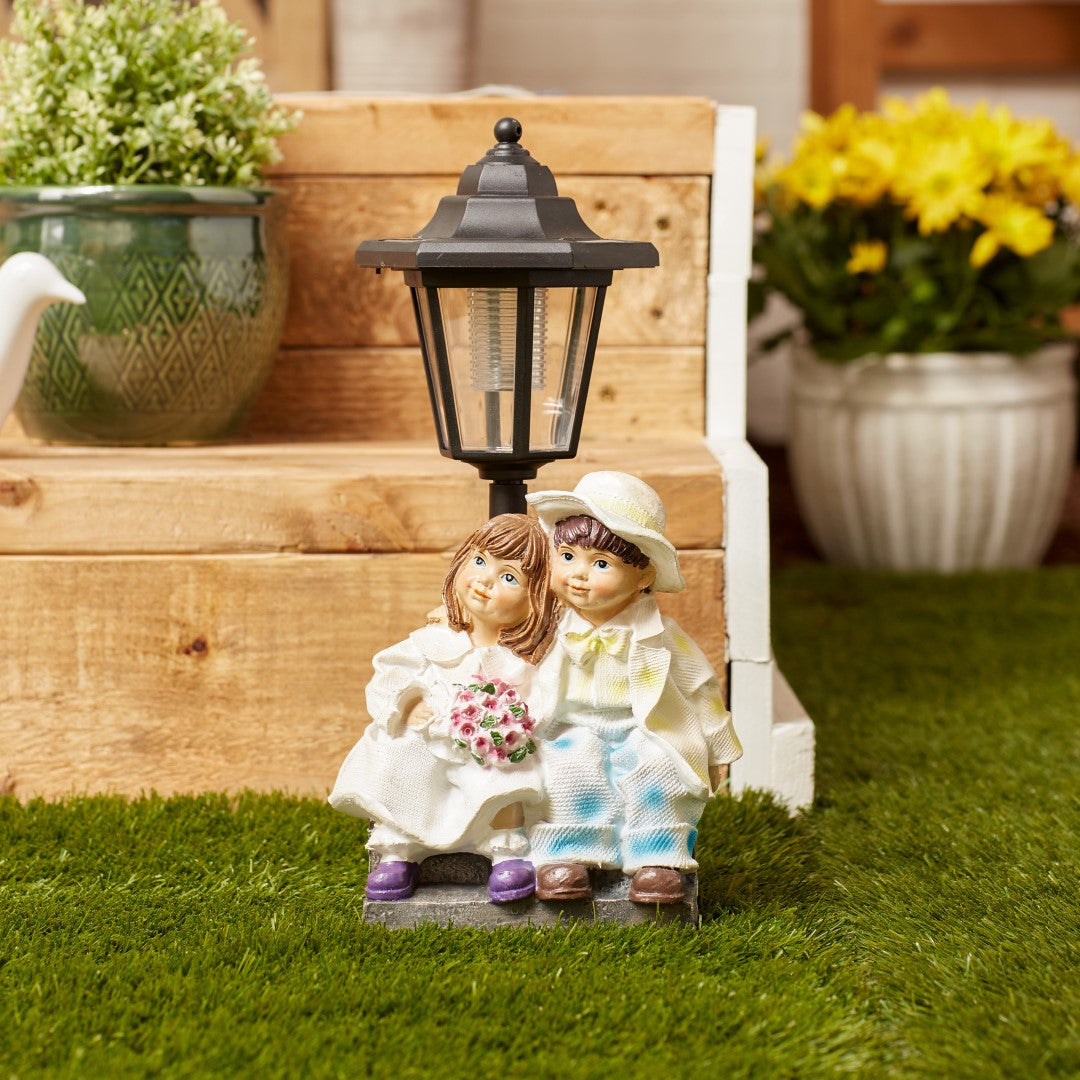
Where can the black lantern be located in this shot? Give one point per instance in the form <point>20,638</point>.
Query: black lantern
<point>508,288</point>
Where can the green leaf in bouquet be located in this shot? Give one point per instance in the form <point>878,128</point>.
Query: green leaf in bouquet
<point>489,721</point>
<point>530,747</point>
<point>519,755</point>
<point>517,710</point>
<point>461,745</point>
<point>488,688</point>
<point>497,739</point>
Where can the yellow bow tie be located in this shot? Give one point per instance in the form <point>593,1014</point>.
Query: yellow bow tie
<point>584,648</point>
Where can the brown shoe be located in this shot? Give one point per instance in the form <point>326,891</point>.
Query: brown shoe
<point>657,885</point>
<point>563,881</point>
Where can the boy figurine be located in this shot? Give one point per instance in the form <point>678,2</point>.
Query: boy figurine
<point>635,741</point>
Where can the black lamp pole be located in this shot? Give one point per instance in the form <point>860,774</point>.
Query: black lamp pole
<point>508,290</point>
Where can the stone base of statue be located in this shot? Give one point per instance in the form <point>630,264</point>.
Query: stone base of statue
<point>452,891</point>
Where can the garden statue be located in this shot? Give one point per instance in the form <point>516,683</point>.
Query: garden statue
<point>550,745</point>
<point>449,756</point>
<point>28,284</point>
<point>637,733</point>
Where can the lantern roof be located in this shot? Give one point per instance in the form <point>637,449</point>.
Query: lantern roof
<point>507,215</point>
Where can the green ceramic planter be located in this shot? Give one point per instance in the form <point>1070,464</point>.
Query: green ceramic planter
<point>186,292</point>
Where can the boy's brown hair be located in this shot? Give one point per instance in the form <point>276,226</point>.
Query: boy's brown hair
<point>584,531</point>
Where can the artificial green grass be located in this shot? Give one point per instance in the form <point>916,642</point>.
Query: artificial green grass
<point>920,921</point>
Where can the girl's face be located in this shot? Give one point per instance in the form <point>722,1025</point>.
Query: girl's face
<point>493,594</point>
<point>596,583</point>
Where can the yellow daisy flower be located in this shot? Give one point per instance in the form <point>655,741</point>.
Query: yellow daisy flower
<point>1070,180</point>
<point>867,257</point>
<point>869,169</point>
<point>1012,225</point>
<point>942,181</point>
<point>811,178</point>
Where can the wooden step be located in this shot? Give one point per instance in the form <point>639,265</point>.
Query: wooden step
<point>313,497</point>
<point>204,618</point>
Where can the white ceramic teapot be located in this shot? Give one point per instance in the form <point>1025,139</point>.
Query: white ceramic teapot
<point>29,283</point>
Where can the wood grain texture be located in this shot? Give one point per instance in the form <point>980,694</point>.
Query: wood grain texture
<point>381,393</point>
<point>845,53</point>
<point>334,303</point>
<point>855,43</point>
<point>292,39</point>
<point>129,674</point>
<point>1015,38</point>
<point>328,497</point>
<point>350,134</point>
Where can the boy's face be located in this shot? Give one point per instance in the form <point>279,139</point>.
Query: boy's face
<point>596,583</point>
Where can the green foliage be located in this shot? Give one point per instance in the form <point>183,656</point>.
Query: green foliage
<point>926,298</point>
<point>133,91</point>
<point>918,922</point>
<point>946,713</point>
<point>922,227</point>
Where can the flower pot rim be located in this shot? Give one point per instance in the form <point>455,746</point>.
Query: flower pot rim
<point>104,195</point>
<point>951,360</point>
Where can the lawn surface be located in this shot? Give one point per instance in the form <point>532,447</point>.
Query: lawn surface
<point>921,921</point>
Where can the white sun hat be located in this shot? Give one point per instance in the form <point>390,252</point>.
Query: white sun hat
<point>628,507</point>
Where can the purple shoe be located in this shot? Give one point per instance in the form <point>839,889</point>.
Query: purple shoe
<point>392,881</point>
<point>514,879</point>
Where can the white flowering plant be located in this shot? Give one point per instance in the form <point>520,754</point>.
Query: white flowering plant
<point>133,92</point>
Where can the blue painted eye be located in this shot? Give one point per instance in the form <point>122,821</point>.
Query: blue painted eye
<point>601,564</point>
<point>567,556</point>
<point>508,579</point>
<point>478,560</point>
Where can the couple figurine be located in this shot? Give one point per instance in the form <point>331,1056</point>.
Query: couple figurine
<point>551,720</point>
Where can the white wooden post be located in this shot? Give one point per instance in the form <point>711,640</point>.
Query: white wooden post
<point>777,735</point>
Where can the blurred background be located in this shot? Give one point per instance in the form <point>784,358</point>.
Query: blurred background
<point>780,56</point>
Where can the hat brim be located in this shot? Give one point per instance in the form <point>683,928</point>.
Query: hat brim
<point>553,506</point>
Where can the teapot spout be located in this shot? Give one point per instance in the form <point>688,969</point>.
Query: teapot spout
<point>29,283</point>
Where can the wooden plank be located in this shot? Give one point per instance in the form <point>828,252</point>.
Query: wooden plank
<point>371,394</point>
<point>844,53</point>
<point>435,136</point>
<point>960,38</point>
<point>124,675</point>
<point>330,497</point>
<point>292,39</point>
<point>334,303</point>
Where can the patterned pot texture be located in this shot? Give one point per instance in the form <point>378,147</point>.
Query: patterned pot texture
<point>186,290</point>
<point>934,461</point>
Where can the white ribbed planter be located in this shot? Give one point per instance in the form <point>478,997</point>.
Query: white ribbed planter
<point>933,461</point>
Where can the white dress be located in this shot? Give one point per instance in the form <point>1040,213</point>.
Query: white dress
<point>412,779</point>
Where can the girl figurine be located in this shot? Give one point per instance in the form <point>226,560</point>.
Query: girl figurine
<point>448,758</point>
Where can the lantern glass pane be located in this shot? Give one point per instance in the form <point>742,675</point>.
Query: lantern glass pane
<point>480,325</point>
<point>569,320</point>
<point>430,347</point>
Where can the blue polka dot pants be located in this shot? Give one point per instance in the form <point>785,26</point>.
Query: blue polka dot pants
<point>616,799</point>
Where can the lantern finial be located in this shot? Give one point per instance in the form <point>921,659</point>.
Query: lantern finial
<point>508,130</point>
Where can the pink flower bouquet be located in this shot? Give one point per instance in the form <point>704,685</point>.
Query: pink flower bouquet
<point>489,719</point>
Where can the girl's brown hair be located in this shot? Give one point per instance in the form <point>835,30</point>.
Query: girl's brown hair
<point>512,536</point>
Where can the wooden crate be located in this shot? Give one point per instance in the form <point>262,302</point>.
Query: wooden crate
<point>204,618</point>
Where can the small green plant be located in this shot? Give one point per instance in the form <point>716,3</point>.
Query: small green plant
<point>133,91</point>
